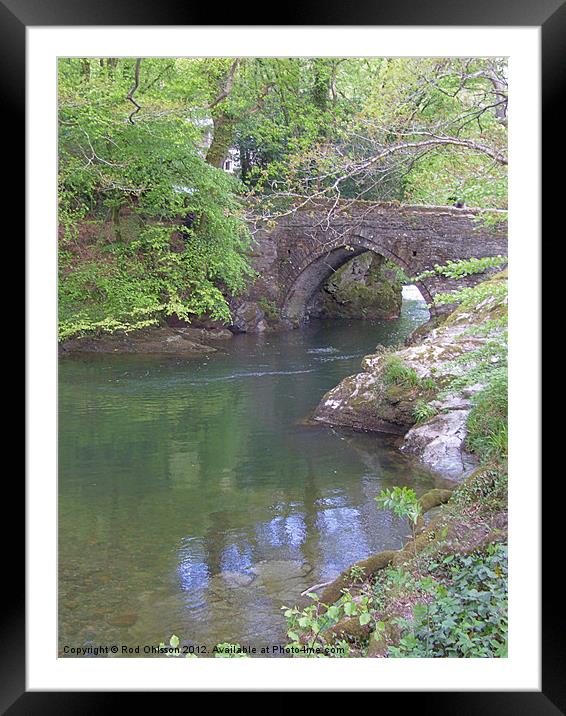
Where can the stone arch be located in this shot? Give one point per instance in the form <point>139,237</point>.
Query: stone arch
<point>317,268</point>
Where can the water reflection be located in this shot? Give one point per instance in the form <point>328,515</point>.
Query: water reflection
<point>193,501</point>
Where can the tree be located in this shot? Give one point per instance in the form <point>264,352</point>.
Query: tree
<point>127,179</point>
<point>428,129</point>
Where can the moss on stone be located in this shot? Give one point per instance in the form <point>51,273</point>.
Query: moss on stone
<point>433,498</point>
<point>389,635</point>
<point>363,288</point>
<point>348,628</point>
<point>370,566</point>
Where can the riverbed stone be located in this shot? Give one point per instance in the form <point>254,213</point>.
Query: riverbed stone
<point>126,619</point>
<point>233,580</point>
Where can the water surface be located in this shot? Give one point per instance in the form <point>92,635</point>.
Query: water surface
<point>192,500</point>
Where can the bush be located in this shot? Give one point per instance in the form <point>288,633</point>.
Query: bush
<point>467,612</point>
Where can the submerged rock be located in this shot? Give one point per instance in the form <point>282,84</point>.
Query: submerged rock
<point>123,620</point>
<point>230,580</point>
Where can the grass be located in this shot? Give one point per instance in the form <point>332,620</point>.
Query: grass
<point>487,422</point>
<point>423,411</point>
<point>395,372</point>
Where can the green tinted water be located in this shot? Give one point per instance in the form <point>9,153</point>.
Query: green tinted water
<point>193,501</point>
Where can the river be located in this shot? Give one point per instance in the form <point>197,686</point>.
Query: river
<point>194,500</point>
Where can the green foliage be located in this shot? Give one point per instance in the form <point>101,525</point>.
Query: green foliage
<point>124,187</point>
<point>399,273</point>
<point>459,609</point>
<point>400,101</point>
<point>443,175</point>
<point>487,421</point>
<point>140,140</point>
<point>131,286</point>
<point>463,267</point>
<point>487,485</point>
<point>428,383</point>
<point>269,308</point>
<point>402,501</point>
<point>473,296</point>
<point>490,219</point>
<point>308,627</point>
<point>395,372</point>
<point>487,299</point>
<point>357,574</point>
<point>465,613</point>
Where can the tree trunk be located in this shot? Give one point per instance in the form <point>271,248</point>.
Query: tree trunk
<point>224,127</point>
<point>85,69</point>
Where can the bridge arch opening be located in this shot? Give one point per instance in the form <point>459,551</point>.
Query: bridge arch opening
<point>319,269</point>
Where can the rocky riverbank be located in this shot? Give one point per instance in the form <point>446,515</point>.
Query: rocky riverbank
<point>444,594</point>
<point>406,391</point>
<point>168,340</point>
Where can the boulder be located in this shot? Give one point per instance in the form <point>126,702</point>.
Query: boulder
<point>249,318</point>
<point>439,443</point>
<point>362,402</point>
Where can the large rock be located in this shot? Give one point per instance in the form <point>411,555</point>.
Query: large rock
<point>363,402</point>
<point>365,287</point>
<point>440,443</point>
<point>249,318</point>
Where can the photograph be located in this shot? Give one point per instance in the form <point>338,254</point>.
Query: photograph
<point>282,301</point>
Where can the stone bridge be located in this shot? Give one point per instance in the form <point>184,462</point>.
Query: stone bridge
<point>296,257</point>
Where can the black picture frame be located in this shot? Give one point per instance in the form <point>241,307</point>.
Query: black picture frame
<point>550,15</point>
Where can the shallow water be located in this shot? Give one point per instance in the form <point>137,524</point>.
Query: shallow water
<point>194,501</point>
